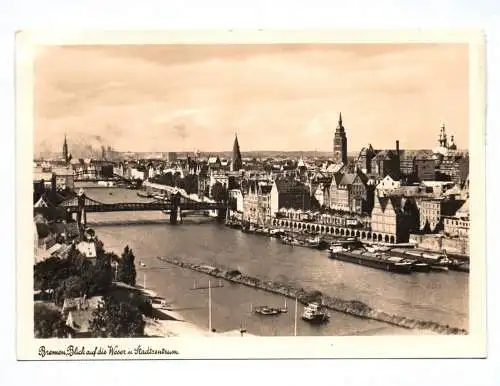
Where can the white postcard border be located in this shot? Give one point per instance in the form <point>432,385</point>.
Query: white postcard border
<point>432,346</point>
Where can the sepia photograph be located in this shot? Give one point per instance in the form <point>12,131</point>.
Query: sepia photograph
<point>233,187</point>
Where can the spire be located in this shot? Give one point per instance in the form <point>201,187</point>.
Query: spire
<point>340,127</point>
<point>237,163</point>
<point>65,154</point>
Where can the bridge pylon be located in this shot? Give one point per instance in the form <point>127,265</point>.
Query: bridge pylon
<point>175,210</point>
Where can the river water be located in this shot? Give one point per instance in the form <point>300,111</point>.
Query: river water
<point>438,296</point>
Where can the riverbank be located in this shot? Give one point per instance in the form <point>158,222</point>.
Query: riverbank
<point>163,323</point>
<point>351,307</point>
<point>167,323</point>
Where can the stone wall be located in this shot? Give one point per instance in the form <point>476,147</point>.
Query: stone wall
<point>439,242</point>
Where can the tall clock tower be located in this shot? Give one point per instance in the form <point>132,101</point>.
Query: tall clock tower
<point>340,144</point>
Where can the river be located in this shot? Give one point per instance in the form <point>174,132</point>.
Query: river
<point>438,296</point>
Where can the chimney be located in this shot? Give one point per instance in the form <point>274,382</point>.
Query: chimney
<point>398,158</point>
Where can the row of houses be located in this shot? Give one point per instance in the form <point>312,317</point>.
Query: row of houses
<point>387,208</point>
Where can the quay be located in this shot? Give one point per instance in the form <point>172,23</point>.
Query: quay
<point>302,234</point>
<point>351,307</point>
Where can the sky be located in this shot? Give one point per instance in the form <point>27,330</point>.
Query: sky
<point>275,97</point>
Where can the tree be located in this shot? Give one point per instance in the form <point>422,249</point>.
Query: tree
<point>116,319</point>
<point>48,274</point>
<point>101,275</point>
<point>48,323</point>
<point>71,287</point>
<point>126,267</point>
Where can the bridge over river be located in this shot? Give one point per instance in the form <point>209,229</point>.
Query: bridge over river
<point>175,204</point>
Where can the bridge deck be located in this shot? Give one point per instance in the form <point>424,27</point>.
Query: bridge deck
<point>139,206</point>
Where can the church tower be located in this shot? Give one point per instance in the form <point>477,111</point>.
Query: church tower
<point>340,144</point>
<point>65,153</point>
<point>443,140</point>
<point>236,163</point>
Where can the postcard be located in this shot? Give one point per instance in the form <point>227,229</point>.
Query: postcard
<point>250,194</point>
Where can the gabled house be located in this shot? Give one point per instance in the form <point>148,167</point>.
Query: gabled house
<point>387,185</point>
<point>88,249</point>
<point>458,225</point>
<point>257,203</point>
<point>393,218</point>
<point>351,192</point>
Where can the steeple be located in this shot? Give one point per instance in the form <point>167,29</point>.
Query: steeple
<point>236,163</point>
<point>65,153</point>
<point>340,143</point>
<point>453,145</point>
<point>443,141</point>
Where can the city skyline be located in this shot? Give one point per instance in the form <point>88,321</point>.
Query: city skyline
<point>181,98</point>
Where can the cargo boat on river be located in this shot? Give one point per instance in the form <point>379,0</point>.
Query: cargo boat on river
<point>314,314</point>
<point>144,194</point>
<point>378,261</point>
<point>436,261</point>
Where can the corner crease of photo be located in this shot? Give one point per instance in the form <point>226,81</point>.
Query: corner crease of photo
<point>250,194</point>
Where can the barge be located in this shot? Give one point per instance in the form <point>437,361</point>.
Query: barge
<point>387,263</point>
<point>437,262</point>
<point>144,194</point>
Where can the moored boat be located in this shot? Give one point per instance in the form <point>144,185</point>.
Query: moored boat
<point>143,194</point>
<point>374,260</point>
<point>314,314</point>
<point>419,266</point>
<point>437,262</point>
<point>267,310</point>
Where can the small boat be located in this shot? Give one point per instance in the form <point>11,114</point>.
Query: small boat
<point>275,232</point>
<point>284,309</point>
<point>313,314</point>
<point>267,311</point>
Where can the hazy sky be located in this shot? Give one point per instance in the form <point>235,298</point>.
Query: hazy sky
<point>276,97</point>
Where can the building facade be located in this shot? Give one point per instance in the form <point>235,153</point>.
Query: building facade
<point>288,193</point>
<point>65,178</point>
<point>364,160</point>
<point>394,217</point>
<point>350,192</point>
<point>430,214</point>
<point>257,204</point>
<point>458,225</point>
<point>424,167</point>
